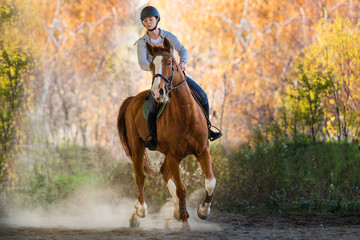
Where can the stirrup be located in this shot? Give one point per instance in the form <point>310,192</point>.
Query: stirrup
<point>216,135</point>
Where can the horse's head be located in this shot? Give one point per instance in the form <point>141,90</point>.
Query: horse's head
<point>163,66</point>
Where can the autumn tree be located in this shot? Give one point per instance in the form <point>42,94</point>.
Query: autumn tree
<point>14,63</point>
<point>306,95</point>
<point>241,51</point>
<point>83,71</point>
<point>325,85</point>
<point>338,48</point>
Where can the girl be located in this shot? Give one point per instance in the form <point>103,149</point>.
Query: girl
<point>150,18</point>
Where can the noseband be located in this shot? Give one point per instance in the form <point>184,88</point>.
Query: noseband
<point>169,80</point>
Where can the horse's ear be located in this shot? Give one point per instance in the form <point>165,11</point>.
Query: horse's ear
<point>150,49</point>
<point>167,45</point>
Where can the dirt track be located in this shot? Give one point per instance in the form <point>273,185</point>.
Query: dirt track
<point>219,226</point>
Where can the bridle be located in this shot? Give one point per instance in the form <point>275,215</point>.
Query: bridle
<point>169,80</point>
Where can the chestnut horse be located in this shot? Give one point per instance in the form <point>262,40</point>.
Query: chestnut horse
<point>181,130</point>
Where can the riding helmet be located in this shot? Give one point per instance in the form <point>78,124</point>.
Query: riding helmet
<point>149,11</point>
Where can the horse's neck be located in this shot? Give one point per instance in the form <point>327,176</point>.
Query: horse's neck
<point>182,96</point>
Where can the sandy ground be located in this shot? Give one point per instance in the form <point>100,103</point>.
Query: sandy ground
<point>101,214</point>
<point>219,226</point>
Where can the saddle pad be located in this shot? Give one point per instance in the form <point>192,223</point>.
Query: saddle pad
<point>146,107</point>
<point>197,97</point>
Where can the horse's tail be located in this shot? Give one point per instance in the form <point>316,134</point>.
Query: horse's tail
<point>121,124</point>
<point>147,165</point>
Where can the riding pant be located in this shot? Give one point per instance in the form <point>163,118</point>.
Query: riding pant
<point>193,85</point>
<point>152,103</point>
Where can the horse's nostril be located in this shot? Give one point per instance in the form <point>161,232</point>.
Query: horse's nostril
<point>161,91</point>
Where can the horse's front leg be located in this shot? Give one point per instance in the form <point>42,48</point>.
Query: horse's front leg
<point>173,168</point>
<point>210,183</point>
<point>140,204</point>
<point>165,171</point>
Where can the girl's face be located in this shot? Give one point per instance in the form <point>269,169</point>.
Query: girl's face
<point>150,22</point>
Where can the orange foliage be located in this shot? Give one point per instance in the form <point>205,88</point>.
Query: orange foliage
<point>240,52</point>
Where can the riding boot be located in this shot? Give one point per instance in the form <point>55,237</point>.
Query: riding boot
<point>212,135</point>
<point>151,140</point>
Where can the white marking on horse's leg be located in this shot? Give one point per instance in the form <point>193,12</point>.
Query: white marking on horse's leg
<point>172,189</point>
<point>204,208</point>
<point>210,185</point>
<point>140,210</point>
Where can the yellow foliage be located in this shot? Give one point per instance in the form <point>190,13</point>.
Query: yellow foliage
<point>240,53</point>
<point>243,49</point>
<point>335,56</point>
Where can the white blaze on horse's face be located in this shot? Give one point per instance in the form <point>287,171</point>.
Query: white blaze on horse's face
<point>158,89</point>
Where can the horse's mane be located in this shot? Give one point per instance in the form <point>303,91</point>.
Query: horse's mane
<point>159,49</point>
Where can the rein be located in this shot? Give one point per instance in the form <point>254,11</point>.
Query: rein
<point>170,79</point>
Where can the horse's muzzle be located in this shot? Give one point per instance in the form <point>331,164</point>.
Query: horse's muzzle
<point>161,96</point>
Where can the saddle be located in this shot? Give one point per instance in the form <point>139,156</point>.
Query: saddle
<point>159,108</point>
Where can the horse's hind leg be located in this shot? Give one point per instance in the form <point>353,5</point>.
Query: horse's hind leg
<point>210,182</point>
<point>140,204</point>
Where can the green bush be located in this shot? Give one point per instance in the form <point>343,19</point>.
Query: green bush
<point>287,176</point>
<point>281,176</point>
<point>55,173</point>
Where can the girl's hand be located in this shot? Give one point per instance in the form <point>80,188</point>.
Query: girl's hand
<point>182,66</point>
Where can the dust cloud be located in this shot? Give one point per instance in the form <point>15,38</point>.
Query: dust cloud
<point>103,209</point>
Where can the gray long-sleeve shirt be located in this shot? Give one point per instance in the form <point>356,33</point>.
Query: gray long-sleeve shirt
<point>145,59</point>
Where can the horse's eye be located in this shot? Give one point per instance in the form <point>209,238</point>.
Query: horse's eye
<point>169,63</point>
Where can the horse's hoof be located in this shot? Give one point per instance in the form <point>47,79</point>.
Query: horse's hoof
<point>141,210</point>
<point>134,223</point>
<point>204,211</point>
